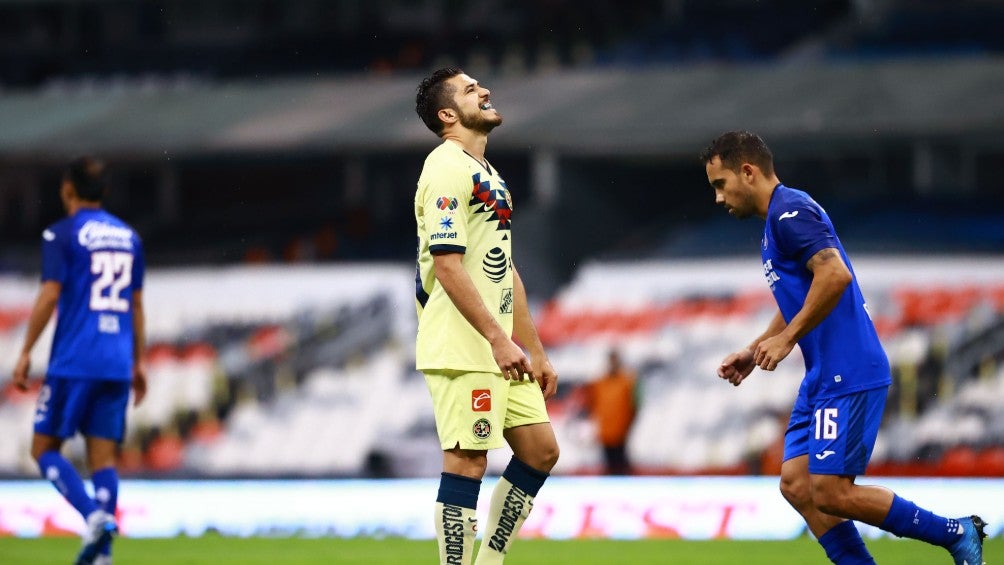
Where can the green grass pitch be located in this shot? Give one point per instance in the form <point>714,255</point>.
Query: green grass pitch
<point>215,550</point>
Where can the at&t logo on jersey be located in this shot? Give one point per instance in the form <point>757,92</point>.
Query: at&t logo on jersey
<point>495,264</point>
<point>481,400</point>
<point>770,274</point>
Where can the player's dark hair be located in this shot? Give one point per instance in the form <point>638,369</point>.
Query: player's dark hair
<point>434,94</point>
<point>737,147</point>
<point>87,175</point>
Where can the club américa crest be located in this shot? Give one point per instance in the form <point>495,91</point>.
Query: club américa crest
<point>482,428</point>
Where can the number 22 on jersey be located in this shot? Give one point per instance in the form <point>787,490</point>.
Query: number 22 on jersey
<point>114,273</point>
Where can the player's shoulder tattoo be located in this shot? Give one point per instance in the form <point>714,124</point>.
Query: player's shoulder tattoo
<point>823,256</point>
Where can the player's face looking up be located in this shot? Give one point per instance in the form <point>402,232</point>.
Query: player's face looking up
<point>732,190</point>
<point>473,105</point>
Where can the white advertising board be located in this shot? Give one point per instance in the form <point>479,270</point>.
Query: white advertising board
<point>623,508</point>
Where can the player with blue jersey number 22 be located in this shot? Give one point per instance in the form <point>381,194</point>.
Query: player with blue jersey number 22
<point>839,406</point>
<point>92,269</point>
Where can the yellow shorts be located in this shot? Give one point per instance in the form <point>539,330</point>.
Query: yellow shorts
<point>472,409</point>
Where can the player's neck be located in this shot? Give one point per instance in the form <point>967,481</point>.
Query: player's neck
<point>765,191</point>
<point>75,206</point>
<point>471,142</point>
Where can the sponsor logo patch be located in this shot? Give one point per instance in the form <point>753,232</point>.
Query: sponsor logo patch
<point>446,223</point>
<point>101,235</point>
<point>495,264</point>
<point>481,400</point>
<point>453,534</point>
<point>515,509</point>
<point>482,428</point>
<point>505,305</point>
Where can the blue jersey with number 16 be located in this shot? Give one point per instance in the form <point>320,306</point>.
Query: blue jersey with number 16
<point>843,353</point>
<point>98,260</point>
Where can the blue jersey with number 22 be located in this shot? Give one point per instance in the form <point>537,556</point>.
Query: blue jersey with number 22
<point>98,260</point>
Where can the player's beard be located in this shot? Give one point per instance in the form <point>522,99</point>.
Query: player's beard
<point>476,121</point>
<point>746,208</point>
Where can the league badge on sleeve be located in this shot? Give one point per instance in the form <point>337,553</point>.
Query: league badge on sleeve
<point>446,203</point>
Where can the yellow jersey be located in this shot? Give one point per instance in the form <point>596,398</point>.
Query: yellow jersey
<point>461,206</point>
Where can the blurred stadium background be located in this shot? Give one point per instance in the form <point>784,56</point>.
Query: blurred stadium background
<point>267,152</point>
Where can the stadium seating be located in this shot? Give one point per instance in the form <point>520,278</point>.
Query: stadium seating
<point>320,382</point>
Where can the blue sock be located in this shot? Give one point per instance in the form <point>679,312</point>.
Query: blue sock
<point>906,519</point>
<point>67,481</point>
<point>458,490</point>
<point>844,546</point>
<point>106,494</point>
<point>528,479</point>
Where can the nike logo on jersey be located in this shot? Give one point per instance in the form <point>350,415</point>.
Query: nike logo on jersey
<point>825,454</point>
<point>48,235</point>
<point>787,215</point>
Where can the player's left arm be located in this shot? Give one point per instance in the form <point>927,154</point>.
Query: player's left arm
<point>830,277</point>
<point>41,313</point>
<point>138,347</point>
<point>526,332</point>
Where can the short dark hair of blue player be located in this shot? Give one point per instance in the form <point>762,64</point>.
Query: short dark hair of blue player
<point>737,147</point>
<point>435,93</point>
<point>87,175</point>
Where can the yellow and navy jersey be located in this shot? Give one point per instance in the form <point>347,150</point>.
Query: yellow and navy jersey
<point>461,206</point>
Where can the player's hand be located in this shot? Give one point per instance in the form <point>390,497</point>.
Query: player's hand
<point>546,377</point>
<point>138,383</point>
<point>511,360</point>
<point>772,351</point>
<point>737,366</point>
<point>21,369</point>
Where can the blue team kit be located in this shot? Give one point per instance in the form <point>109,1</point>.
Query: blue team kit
<point>98,260</point>
<point>842,397</point>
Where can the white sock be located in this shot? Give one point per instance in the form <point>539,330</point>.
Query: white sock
<point>509,508</point>
<point>456,528</point>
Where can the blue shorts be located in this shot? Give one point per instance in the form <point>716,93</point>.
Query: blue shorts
<point>96,408</point>
<point>838,434</point>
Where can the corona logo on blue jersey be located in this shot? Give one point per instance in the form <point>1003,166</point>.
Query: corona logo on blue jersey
<point>495,201</point>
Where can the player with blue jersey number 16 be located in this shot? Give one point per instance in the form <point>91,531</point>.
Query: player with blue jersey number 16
<point>839,406</point>
<point>92,269</point>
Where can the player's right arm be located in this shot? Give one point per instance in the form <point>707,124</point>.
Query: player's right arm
<point>450,273</point>
<point>830,277</point>
<point>41,313</point>
<point>738,365</point>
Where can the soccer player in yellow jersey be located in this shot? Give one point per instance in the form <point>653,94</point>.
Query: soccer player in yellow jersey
<point>471,302</point>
